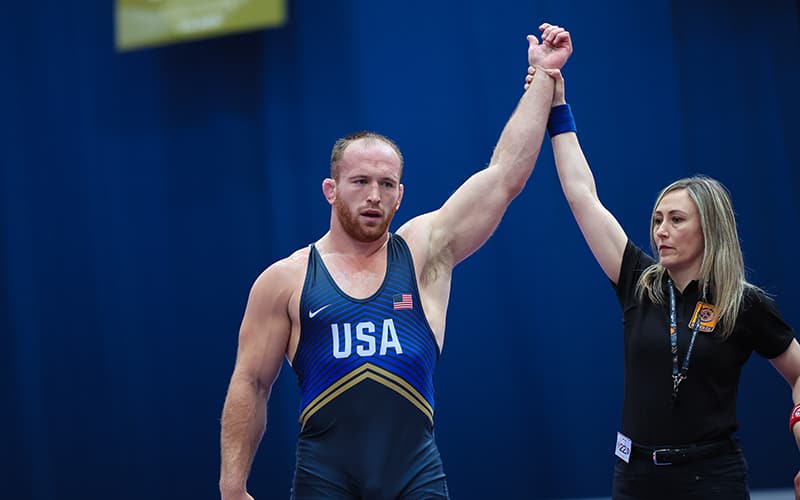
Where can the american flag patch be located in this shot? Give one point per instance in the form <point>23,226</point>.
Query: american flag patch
<point>402,301</point>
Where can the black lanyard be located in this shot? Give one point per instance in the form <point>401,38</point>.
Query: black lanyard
<point>678,376</point>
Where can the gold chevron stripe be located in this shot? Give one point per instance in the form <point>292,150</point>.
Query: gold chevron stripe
<point>403,383</point>
<point>355,377</point>
<point>368,367</point>
<point>331,388</point>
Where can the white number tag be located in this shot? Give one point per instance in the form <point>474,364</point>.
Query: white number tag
<point>623,449</point>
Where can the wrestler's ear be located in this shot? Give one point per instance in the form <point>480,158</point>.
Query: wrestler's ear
<point>399,198</point>
<point>329,189</point>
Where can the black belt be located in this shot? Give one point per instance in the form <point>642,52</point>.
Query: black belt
<point>672,455</point>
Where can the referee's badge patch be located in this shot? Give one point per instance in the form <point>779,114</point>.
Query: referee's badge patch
<point>706,314</point>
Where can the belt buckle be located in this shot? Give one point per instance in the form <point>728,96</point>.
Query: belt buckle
<point>656,461</point>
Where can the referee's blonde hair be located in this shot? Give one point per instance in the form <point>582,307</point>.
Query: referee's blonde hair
<point>722,268</point>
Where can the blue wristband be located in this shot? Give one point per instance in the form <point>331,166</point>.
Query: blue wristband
<point>560,120</point>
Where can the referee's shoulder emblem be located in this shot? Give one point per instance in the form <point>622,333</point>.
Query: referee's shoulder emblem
<point>706,314</point>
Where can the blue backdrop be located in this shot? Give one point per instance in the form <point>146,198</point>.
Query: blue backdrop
<point>141,194</point>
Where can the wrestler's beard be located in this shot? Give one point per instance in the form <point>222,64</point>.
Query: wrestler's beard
<point>360,232</point>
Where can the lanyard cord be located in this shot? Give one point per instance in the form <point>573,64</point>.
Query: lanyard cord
<point>678,376</point>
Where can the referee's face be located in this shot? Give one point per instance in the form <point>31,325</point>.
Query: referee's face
<point>678,234</point>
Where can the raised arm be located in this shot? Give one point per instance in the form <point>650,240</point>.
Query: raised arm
<point>263,337</point>
<point>472,213</point>
<point>602,232</point>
